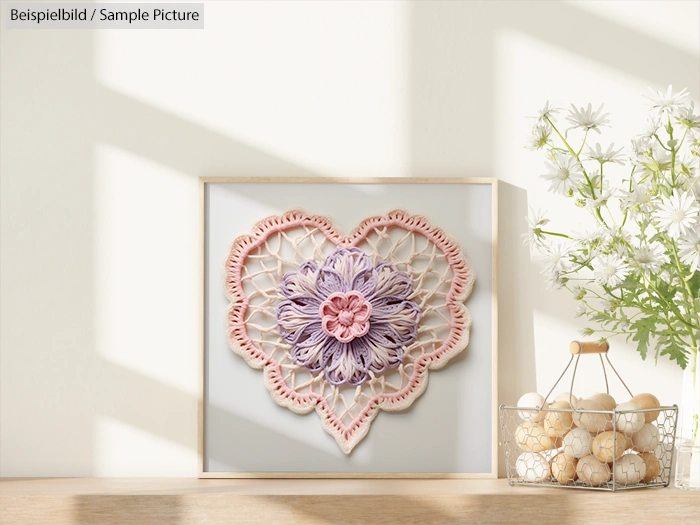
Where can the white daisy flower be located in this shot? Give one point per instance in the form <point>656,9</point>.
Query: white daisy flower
<point>580,310</point>
<point>650,257</point>
<point>637,200</point>
<point>640,145</point>
<point>587,119</point>
<point>687,118</point>
<point>534,236</point>
<point>678,214</point>
<point>602,199</point>
<point>557,258</point>
<point>606,305</point>
<point>651,126</point>
<point>687,163</point>
<point>657,160</point>
<point>547,112</point>
<point>669,101</point>
<point>540,137</point>
<point>610,270</point>
<point>621,234</point>
<point>590,236</point>
<point>555,281</point>
<point>689,249</point>
<point>565,173</point>
<point>693,139</point>
<point>605,156</point>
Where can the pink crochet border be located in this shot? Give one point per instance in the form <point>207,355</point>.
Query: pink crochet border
<point>462,283</point>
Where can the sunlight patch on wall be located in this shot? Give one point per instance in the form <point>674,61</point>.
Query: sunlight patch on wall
<point>321,85</point>
<point>146,267</point>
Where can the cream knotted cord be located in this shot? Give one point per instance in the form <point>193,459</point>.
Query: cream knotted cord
<point>285,251</point>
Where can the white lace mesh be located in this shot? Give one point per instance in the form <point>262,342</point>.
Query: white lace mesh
<point>284,251</point>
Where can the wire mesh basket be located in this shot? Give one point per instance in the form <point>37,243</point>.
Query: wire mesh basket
<point>573,444</point>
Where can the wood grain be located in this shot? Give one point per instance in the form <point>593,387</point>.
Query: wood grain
<point>311,502</point>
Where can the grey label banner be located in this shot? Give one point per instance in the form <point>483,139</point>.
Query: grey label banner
<point>25,15</point>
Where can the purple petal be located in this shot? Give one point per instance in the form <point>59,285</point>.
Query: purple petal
<point>346,363</point>
<point>387,347</point>
<point>330,281</point>
<point>309,353</point>
<point>389,309</point>
<point>365,282</point>
<point>293,319</point>
<point>300,283</point>
<point>348,262</point>
<point>391,282</point>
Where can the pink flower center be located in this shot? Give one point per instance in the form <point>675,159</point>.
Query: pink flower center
<point>345,316</point>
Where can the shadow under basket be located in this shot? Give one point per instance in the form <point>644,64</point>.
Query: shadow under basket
<point>611,450</point>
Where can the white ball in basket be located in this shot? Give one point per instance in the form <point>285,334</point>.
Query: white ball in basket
<point>605,400</point>
<point>630,422</point>
<point>593,422</point>
<point>565,396</point>
<point>577,443</point>
<point>593,472</point>
<point>630,469</point>
<point>531,437</point>
<point>531,400</point>
<point>532,466</point>
<point>647,401</point>
<point>647,439</point>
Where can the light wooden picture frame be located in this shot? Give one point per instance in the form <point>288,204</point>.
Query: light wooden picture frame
<point>238,203</point>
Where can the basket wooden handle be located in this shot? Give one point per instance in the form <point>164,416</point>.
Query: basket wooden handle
<point>588,347</point>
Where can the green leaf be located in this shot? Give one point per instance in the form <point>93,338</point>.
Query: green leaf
<point>694,283</point>
<point>675,352</point>
<point>642,339</point>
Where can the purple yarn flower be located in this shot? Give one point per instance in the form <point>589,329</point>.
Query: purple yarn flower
<point>348,317</point>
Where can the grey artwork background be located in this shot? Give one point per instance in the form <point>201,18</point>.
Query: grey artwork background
<point>447,429</point>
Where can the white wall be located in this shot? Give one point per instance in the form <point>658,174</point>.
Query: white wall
<point>105,133</point>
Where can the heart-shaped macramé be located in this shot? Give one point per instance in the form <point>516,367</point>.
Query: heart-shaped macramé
<point>347,325</point>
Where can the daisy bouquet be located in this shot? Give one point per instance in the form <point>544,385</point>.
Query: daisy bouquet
<point>634,272</point>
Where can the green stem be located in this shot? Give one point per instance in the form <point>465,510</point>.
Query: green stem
<point>673,155</point>
<point>575,155</point>
<point>660,143</point>
<point>668,305</point>
<point>691,300</point>
<point>555,233</point>
<point>585,136</point>
<point>624,220</point>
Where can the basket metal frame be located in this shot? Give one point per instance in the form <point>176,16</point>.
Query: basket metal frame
<point>612,485</point>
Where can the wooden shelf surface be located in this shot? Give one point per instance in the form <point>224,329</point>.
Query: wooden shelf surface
<point>124,501</point>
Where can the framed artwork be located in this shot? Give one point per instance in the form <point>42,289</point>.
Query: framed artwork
<point>349,327</point>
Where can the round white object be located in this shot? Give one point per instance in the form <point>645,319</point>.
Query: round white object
<point>531,400</point>
<point>592,472</point>
<point>630,422</point>
<point>647,439</point>
<point>605,400</point>
<point>565,396</point>
<point>577,443</point>
<point>532,466</point>
<point>589,416</point>
<point>630,469</point>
